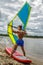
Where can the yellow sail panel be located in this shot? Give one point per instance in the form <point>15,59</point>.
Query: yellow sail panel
<point>10,28</point>
<point>12,39</point>
<point>10,33</point>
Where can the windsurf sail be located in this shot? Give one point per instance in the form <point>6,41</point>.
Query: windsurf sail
<point>21,17</point>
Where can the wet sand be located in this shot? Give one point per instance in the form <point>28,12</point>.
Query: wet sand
<point>6,60</point>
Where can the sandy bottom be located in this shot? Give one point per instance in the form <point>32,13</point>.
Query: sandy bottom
<point>6,60</point>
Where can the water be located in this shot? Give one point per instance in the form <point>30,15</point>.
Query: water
<point>33,47</point>
<point>8,9</point>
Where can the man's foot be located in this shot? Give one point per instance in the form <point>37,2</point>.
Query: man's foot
<point>10,55</point>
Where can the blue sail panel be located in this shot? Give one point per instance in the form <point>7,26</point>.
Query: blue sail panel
<point>24,13</point>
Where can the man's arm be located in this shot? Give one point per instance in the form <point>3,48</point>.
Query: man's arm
<point>15,31</point>
<point>24,32</point>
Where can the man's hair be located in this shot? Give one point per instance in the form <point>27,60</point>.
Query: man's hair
<point>20,26</point>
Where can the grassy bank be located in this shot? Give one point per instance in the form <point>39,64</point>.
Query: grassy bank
<point>24,36</point>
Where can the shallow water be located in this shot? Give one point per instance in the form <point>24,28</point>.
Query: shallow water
<point>33,46</point>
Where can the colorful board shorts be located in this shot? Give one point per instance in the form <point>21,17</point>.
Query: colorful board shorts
<point>20,42</point>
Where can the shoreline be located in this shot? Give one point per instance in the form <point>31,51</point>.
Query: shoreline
<point>27,36</point>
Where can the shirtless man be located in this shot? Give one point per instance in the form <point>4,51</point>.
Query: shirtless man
<point>20,41</point>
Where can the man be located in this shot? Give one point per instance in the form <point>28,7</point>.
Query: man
<point>20,41</point>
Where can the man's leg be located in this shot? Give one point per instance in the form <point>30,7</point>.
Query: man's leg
<point>22,47</point>
<point>14,49</point>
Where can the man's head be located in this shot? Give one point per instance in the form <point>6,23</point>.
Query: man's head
<point>20,27</point>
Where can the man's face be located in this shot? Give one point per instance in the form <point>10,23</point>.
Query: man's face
<point>19,28</point>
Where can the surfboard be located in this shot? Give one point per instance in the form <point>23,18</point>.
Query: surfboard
<point>18,56</point>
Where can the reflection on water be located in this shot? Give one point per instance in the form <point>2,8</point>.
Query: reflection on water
<point>34,47</point>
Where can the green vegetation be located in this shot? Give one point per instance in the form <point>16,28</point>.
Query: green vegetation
<point>24,36</point>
